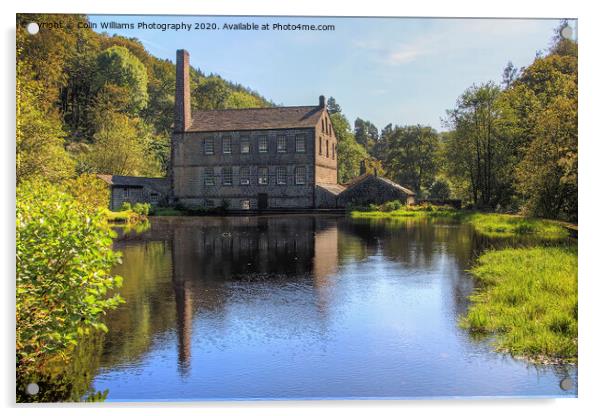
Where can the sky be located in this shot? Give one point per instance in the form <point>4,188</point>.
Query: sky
<point>386,70</point>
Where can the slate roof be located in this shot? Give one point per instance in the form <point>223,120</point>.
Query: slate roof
<point>256,118</point>
<point>332,188</point>
<point>159,184</point>
<point>352,183</point>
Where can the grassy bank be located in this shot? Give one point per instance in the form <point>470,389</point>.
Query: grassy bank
<point>127,216</point>
<point>490,224</point>
<point>528,301</point>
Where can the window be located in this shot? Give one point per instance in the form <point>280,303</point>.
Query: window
<point>281,144</point>
<point>281,175</point>
<point>209,146</point>
<point>300,175</point>
<point>262,176</point>
<point>320,148</point>
<point>245,144</point>
<point>227,144</point>
<point>245,204</point>
<point>209,177</point>
<point>263,144</point>
<point>154,197</point>
<point>322,125</point>
<point>245,174</point>
<point>126,192</point>
<point>300,143</point>
<point>227,176</point>
<point>327,154</point>
<point>209,203</point>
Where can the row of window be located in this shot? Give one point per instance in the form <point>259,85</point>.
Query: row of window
<point>209,176</point>
<point>326,127</point>
<point>330,148</point>
<point>262,144</point>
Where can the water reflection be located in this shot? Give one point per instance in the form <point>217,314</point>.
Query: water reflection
<point>303,307</point>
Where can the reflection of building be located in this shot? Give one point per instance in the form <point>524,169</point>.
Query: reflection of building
<point>209,254</point>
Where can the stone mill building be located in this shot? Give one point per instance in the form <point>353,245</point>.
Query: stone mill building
<point>276,158</point>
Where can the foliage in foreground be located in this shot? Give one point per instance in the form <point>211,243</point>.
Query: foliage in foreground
<point>64,285</point>
<point>529,302</point>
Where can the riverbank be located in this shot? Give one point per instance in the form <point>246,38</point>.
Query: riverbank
<point>528,297</point>
<point>490,224</point>
<point>528,301</point>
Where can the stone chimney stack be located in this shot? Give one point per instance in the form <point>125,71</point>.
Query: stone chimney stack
<point>182,115</point>
<point>322,101</point>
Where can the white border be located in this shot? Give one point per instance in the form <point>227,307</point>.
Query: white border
<point>589,198</point>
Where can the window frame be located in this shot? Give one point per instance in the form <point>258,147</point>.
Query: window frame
<point>208,180</point>
<point>298,169</point>
<point>300,138</point>
<point>246,177</point>
<point>280,175</point>
<point>281,140</point>
<point>245,141</point>
<point>261,141</point>
<point>230,175</point>
<point>206,149</point>
<point>261,177</point>
<point>227,139</point>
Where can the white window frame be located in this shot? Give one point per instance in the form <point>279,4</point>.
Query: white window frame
<point>245,142</point>
<point>227,174</point>
<point>281,144</point>
<point>263,180</point>
<point>262,144</point>
<point>245,178</point>
<point>209,146</point>
<point>298,175</point>
<point>209,179</point>
<point>227,149</point>
<point>281,175</point>
<point>245,204</point>
<point>300,139</point>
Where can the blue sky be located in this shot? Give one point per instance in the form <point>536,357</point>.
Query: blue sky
<point>386,70</point>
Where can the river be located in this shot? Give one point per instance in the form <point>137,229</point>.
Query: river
<point>304,307</point>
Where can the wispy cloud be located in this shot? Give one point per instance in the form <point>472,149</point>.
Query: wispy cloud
<point>399,53</point>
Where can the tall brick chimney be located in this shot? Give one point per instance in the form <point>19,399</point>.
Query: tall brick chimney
<point>182,114</point>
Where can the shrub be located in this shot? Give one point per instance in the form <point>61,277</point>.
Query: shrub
<point>64,285</point>
<point>126,206</point>
<point>391,206</point>
<point>141,208</point>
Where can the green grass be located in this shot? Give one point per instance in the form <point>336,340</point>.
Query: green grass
<point>504,225</point>
<point>489,224</point>
<point>410,212</point>
<point>528,302</point>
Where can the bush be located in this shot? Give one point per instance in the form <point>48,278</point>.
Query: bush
<point>126,206</point>
<point>391,206</point>
<point>64,285</point>
<point>141,208</point>
<point>89,190</point>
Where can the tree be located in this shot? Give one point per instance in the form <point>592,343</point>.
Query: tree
<point>350,153</point>
<point>118,149</point>
<point>411,156</point>
<point>439,190</point>
<point>211,94</point>
<point>40,136</point>
<point>332,106</point>
<point>365,133</point>
<point>117,66</point>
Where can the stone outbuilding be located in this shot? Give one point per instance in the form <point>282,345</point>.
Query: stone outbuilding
<point>133,189</point>
<point>371,189</point>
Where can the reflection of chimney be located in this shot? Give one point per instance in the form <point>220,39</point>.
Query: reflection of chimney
<point>362,167</point>
<point>182,117</point>
<point>184,325</point>
<point>322,101</point>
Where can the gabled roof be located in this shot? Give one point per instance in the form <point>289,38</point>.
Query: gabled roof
<point>334,189</point>
<point>256,118</point>
<point>158,184</point>
<point>355,181</point>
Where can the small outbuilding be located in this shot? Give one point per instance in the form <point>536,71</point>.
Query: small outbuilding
<point>372,189</point>
<point>134,189</point>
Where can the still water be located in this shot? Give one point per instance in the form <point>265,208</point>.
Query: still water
<point>304,307</point>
